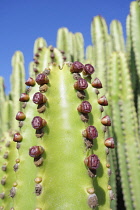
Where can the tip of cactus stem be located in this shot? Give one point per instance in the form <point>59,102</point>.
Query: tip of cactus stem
<point>109,142</point>
<point>17,137</point>
<point>42,79</point>
<point>76,67</point>
<point>84,107</point>
<point>24,97</point>
<point>90,132</point>
<point>92,200</point>
<point>106,120</point>
<point>20,116</point>
<point>96,83</point>
<point>39,98</point>
<point>80,84</point>
<point>103,101</point>
<point>38,123</point>
<point>92,162</point>
<point>36,151</point>
<point>30,81</point>
<point>88,69</point>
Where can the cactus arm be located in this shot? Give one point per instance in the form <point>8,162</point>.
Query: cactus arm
<point>131,58</point>
<point>17,87</point>
<point>63,41</point>
<point>90,55</point>
<point>135,30</point>
<point>2,98</point>
<point>63,168</point>
<point>116,32</point>
<point>31,70</point>
<point>99,36</point>
<point>126,133</point>
<point>79,46</point>
<point>39,43</point>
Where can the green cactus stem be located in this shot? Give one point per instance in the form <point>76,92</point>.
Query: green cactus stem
<point>134,20</point>
<point>17,87</point>
<point>125,129</point>
<point>38,45</point>
<point>116,33</point>
<point>90,55</point>
<point>61,173</point>
<point>102,47</point>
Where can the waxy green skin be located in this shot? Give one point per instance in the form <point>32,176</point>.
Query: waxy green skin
<point>64,175</point>
<point>125,129</point>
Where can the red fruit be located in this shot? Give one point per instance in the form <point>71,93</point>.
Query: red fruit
<point>80,84</point>
<point>92,162</point>
<point>84,107</point>
<point>76,67</point>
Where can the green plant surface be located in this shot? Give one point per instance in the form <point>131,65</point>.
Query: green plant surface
<point>65,178</point>
<point>117,38</point>
<point>125,129</point>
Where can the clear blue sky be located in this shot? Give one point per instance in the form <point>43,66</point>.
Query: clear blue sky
<point>22,21</point>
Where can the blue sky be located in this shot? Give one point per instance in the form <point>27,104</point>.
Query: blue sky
<point>22,21</point>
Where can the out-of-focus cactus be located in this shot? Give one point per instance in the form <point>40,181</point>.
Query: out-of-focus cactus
<point>125,129</point>
<point>133,47</point>
<point>117,38</point>
<point>71,45</point>
<point>102,47</point>
<point>18,86</point>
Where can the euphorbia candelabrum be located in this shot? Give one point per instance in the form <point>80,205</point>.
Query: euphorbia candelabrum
<point>62,159</point>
